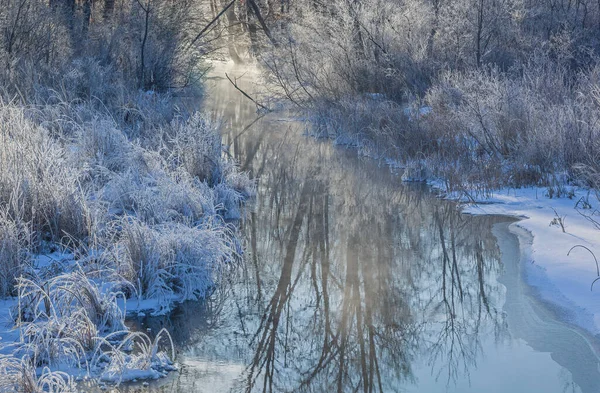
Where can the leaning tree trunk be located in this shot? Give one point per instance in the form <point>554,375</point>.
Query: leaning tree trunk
<point>231,22</point>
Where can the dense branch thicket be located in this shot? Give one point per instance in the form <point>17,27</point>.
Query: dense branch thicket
<point>482,93</point>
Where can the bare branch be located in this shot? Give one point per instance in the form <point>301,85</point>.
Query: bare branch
<point>234,83</point>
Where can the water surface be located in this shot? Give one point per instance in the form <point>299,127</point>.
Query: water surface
<point>355,282</point>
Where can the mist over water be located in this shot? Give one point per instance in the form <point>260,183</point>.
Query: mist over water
<point>354,281</point>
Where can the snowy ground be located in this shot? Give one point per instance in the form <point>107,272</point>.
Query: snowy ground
<point>564,281</point>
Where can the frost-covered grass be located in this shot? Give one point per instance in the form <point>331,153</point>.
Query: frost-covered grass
<point>175,259</point>
<point>97,213</point>
<point>146,207</point>
<point>136,356</point>
<point>69,324</point>
<point>17,375</point>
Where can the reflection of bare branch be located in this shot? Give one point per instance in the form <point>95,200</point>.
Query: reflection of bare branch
<point>357,275</point>
<point>264,357</point>
<point>458,342</point>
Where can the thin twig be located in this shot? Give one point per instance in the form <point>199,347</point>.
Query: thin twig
<point>590,251</point>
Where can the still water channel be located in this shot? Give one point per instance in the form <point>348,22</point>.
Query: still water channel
<point>355,282</point>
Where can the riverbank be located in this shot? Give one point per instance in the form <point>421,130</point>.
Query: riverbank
<point>560,278</point>
<point>96,212</point>
<point>536,322</point>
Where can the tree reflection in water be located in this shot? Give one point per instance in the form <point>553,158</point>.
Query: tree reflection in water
<point>404,275</point>
<point>350,277</point>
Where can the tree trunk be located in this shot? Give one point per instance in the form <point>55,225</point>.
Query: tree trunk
<point>87,15</point>
<point>231,22</point>
<point>143,47</point>
<point>109,7</point>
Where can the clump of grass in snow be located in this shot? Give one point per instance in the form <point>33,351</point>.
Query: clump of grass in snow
<point>175,260</point>
<point>17,375</point>
<point>135,357</point>
<point>66,295</point>
<point>68,323</point>
<point>60,319</point>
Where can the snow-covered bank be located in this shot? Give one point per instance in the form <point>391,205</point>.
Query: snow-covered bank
<point>560,278</point>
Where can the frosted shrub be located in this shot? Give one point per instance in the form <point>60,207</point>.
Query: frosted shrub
<point>588,139</point>
<point>380,49</point>
<point>513,128</point>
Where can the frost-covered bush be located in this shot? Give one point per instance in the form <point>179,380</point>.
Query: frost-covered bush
<point>379,49</point>
<point>527,124</point>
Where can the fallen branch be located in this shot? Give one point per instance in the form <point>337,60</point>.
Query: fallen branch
<point>258,104</point>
